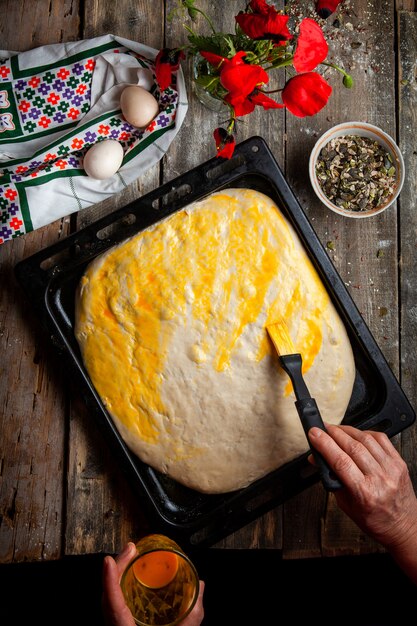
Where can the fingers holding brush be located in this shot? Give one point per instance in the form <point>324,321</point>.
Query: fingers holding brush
<point>338,460</point>
<point>377,488</point>
<point>351,449</point>
<point>356,450</point>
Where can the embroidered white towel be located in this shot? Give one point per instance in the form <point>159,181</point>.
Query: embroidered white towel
<point>57,101</point>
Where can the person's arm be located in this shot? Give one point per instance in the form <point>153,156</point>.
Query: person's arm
<point>377,491</point>
<point>116,613</point>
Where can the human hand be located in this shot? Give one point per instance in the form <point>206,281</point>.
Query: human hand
<point>377,492</point>
<point>115,610</point>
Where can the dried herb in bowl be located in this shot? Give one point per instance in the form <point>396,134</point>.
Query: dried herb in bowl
<point>356,173</point>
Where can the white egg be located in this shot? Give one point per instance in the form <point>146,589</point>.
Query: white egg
<point>103,159</point>
<point>139,107</point>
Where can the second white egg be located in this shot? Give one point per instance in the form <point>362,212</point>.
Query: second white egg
<point>103,159</point>
<point>139,107</point>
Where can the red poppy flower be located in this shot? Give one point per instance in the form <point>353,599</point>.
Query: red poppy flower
<point>260,6</point>
<point>326,7</point>
<point>242,81</point>
<point>264,22</point>
<point>306,94</point>
<point>225,143</point>
<point>238,77</point>
<point>167,61</point>
<point>241,78</point>
<point>265,101</point>
<point>311,48</point>
<point>211,57</point>
<point>243,105</point>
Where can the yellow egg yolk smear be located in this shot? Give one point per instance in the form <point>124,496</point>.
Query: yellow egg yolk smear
<point>218,266</point>
<point>156,569</point>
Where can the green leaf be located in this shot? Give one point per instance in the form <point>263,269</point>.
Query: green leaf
<point>207,81</point>
<point>223,44</point>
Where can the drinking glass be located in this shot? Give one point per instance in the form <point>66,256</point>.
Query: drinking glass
<point>160,584</point>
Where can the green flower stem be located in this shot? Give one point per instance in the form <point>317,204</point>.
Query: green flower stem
<point>347,78</point>
<point>231,125</point>
<point>272,90</point>
<point>206,17</point>
<point>263,57</point>
<point>283,63</point>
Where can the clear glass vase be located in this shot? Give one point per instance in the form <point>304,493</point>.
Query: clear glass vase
<point>201,67</point>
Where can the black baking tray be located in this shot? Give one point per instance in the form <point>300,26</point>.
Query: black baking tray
<point>50,277</point>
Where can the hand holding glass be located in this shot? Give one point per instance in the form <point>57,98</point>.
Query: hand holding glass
<point>160,584</point>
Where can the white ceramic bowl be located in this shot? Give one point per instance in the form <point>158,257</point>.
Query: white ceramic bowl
<point>363,130</point>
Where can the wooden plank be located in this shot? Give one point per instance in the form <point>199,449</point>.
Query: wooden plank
<point>195,142</point>
<point>341,536</point>
<point>185,153</point>
<point>406,5</point>
<point>31,420</point>
<point>32,400</point>
<point>407,86</point>
<point>406,99</point>
<point>137,22</point>
<point>33,397</point>
<point>50,21</point>
<point>102,513</point>
<point>265,532</point>
<point>194,145</point>
<point>364,45</point>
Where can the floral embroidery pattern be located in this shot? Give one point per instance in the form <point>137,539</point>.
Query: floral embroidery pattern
<point>6,119</point>
<point>6,122</point>
<point>4,100</point>
<point>70,152</point>
<point>49,99</point>
<point>11,222</point>
<point>5,72</point>
<point>54,99</point>
<point>66,157</point>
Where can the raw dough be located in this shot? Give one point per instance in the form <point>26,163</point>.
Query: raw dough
<point>171,327</point>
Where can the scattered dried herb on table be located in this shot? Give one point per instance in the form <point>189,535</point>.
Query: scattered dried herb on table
<point>356,173</point>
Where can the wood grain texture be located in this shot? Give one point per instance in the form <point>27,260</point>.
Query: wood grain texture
<point>194,145</point>
<point>407,87</point>
<point>26,24</point>
<point>102,513</point>
<point>195,142</point>
<point>364,44</point>
<point>400,268</point>
<point>406,5</point>
<point>61,488</point>
<point>139,21</point>
<point>32,397</point>
<point>264,532</point>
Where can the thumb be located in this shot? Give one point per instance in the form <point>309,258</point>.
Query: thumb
<point>127,554</point>
<point>114,606</point>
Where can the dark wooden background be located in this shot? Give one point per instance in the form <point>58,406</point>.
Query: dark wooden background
<point>61,492</point>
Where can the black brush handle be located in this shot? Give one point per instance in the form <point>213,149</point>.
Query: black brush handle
<point>310,416</point>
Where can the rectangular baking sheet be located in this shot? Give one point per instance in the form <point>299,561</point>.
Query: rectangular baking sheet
<point>50,278</point>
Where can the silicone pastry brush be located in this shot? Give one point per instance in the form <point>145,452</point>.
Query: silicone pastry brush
<point>291,362</point>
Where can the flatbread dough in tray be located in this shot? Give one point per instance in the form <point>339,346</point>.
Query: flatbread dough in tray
<point>171,327</point>
<point>225,371</point>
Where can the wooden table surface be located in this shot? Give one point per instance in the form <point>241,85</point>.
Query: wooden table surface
<point>61,491</point>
